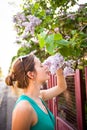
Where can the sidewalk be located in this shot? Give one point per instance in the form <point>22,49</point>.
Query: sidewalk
<point>7,102</point>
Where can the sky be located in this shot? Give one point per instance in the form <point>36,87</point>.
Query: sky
<point>8,48</point>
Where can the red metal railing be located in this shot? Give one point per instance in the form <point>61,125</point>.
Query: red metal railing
<point>69,107</point>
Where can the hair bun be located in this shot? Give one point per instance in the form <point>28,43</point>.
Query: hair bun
<point>9,79</point>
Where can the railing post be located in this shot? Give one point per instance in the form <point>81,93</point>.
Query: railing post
<point>80,107</point>
<point>86,81</point>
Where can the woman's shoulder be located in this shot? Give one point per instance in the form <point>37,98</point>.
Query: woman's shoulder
<point>22,113</point>
<point>23,106</point>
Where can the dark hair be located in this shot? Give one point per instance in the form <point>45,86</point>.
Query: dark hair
<point>18,74</point>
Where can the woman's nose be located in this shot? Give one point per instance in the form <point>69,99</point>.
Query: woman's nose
<point>46,67</point>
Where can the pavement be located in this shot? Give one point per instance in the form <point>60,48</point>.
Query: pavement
<point>7,102</point>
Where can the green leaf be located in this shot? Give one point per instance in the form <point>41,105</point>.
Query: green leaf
<point>49,49</point>
<point>50,38</point>
<point>41,38</point>
<point>42,13</point>
<point>73,32</point>
<point>50,44</point>
<point>62,42</point>
<point>58,36</point>
<point>66,51</point>
<point>36,6</point>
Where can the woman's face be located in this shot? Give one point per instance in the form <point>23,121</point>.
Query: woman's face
<point>42,71</point>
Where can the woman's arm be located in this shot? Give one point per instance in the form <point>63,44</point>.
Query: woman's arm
<point>55,91</point>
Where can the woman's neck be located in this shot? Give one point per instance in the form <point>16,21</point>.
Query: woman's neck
<point>33,90</point>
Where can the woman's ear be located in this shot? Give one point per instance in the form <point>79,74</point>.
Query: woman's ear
<point>30,74</point>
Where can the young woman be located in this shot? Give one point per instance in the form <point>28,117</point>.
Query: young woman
<point>30,111</point>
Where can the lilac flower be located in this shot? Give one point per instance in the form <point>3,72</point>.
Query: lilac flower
<point>57,61</point>
<point>68,71</point>
<point>54,62</point>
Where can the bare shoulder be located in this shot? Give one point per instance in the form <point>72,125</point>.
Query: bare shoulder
<point>23,107</point>
<point>21,116</point>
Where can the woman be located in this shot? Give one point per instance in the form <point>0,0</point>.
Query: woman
<point>30,112</point>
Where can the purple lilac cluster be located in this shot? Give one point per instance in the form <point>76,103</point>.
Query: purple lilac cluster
<point>57,61</point>
<point>30,25</point>
<point>28,22</point>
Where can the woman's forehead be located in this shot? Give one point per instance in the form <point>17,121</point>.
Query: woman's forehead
<point>37,60</point>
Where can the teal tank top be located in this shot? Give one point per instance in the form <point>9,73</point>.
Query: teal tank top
<point>46,121</point>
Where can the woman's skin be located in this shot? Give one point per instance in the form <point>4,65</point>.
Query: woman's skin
<point>24,115</point>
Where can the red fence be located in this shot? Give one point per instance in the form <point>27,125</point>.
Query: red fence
<point>69,107</point>
<point>86,81</point>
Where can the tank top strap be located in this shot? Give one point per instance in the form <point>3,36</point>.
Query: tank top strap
<point>30,100</point>
<point>24,97</point>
